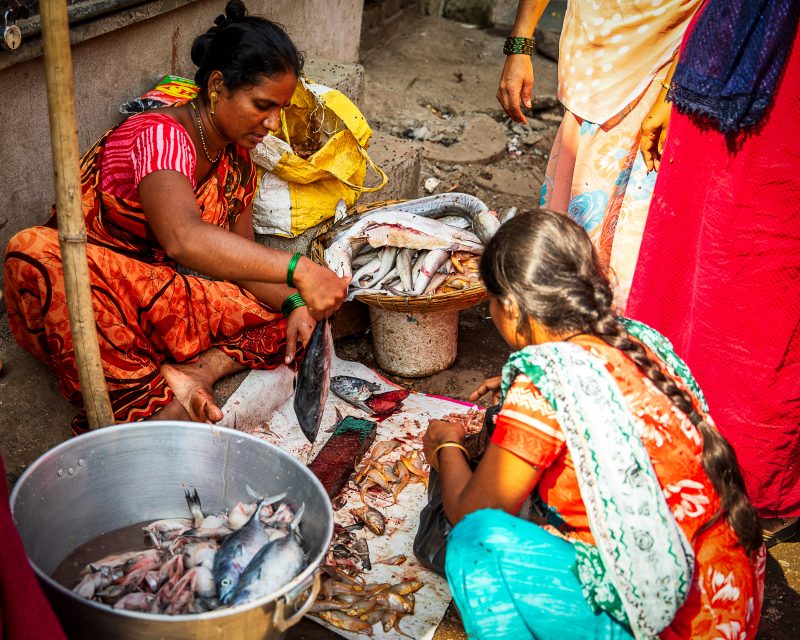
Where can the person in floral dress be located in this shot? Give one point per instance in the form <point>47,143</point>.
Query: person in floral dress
<point>645,528</point>
<point>614,63</point>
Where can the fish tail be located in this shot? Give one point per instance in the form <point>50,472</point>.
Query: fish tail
<point>295,523</point>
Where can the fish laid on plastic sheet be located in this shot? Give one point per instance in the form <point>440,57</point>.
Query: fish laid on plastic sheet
<point>263,406</point>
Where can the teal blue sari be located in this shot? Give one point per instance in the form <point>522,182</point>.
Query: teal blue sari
<point>512,580</point>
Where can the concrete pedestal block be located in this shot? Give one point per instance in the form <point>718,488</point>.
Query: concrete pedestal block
<point>342,76</point>
<point>414,345</point>
<point>401,161</point>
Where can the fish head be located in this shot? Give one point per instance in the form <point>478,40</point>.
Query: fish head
<point>228,568</point>
<point>225,588</point>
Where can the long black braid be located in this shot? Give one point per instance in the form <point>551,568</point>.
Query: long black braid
<point>548,264</point>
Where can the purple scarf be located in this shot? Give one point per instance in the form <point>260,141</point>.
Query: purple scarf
<point>733,59</point>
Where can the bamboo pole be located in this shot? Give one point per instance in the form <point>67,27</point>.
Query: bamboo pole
<point>71,228</point>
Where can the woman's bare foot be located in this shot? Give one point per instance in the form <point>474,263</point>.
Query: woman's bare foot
<point>173,411</point>
<point>193,387</point>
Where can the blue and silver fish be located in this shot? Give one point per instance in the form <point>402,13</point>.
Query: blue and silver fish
<point>314,380</point>
<point>238,549</point>
<point>354,391</point>
<point>275,565</point>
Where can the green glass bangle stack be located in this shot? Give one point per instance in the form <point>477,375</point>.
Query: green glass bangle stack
<point>292,266</point>
<point>294,301</point>
<point>515,44</point>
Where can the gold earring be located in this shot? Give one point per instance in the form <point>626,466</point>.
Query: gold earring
<point>213,97</point>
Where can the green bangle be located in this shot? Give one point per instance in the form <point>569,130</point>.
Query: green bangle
<point>292,266</point>
<point>294,301</point>
<point>515,44</point>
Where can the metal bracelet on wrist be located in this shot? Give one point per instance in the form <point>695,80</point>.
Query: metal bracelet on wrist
<point>518,44</point>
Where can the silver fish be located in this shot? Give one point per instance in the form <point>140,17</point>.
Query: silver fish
<point>437,206</point>
<point>276,564</point>
<point>237,550</point>
<point>367,269</point>
<point>354,391</point>
<point>455,221</point>
<point>507,215</point>
<point>404,269</point>
<point>417,266</point>
<point>485,225</point>
<point>364,257</point>
<point>388,256</point>
<point>430,266</point>
<point>397,229</point>
<point>314,380</point>
<point>436,280</point>
<point>193,500</point>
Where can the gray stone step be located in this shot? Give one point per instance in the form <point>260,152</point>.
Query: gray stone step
<point>343,76</point>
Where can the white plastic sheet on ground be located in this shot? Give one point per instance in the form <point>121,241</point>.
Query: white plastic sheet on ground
<point>263,406</point>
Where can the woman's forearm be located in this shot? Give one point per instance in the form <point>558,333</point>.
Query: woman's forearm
<point>171,209</point>
<point>529,12</point>
<point>272,295</point>
<point>219,253</point>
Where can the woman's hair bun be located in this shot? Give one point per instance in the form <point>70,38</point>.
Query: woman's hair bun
<point>235,10</point>
<point>243,48</point>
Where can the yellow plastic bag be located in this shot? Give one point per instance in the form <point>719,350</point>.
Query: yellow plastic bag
<point>319,158</point>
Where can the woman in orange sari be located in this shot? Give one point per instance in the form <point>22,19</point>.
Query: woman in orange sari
<point>649,530</point>
<point>167,195</point>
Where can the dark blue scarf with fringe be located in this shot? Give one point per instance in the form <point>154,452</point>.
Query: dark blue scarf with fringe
<point>733,59</point>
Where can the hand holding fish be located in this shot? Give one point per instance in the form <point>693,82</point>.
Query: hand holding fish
<point>299,328</point>
<point>438,432</point>
<point>322,290</point>
<point>490,384</point>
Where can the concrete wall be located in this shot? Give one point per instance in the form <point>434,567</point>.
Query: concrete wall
<point>111,68</point>
<point>382,19</point>
<point>482,12</point>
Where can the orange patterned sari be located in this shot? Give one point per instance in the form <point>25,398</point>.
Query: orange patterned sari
<point>147,312</point>
<point>725,597</point>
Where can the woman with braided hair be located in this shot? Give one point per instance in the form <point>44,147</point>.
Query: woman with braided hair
<point>646,527</point>
<point>167,195</point>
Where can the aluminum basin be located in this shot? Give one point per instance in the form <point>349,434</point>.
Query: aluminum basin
<point>121,475</point>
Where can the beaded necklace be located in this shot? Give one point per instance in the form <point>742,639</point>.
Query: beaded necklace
<point>202,134</point>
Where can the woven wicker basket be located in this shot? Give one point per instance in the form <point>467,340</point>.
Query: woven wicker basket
<point>431,303</point>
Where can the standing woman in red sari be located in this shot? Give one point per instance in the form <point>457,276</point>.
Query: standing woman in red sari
<point>719,268</point>
<point>167,195</point>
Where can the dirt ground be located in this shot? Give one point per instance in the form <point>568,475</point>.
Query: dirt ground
<point>433,82</point>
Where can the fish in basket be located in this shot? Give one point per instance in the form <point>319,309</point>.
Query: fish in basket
<point>411,249</point>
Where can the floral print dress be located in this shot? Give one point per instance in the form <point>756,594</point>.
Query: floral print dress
<point>613,57</point>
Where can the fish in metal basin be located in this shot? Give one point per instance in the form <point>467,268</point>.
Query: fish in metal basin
<point>276,564</point>
<point>314,380</point>
<point>354,391</point>
<point>238,549</point>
